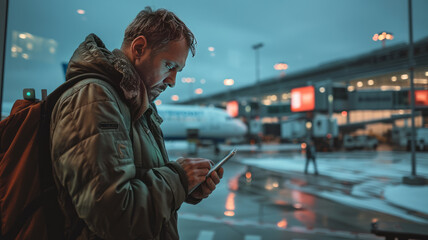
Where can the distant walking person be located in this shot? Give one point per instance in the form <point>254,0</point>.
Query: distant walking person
<point>311,156</point>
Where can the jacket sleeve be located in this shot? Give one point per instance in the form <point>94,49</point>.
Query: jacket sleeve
<point>93,160</point>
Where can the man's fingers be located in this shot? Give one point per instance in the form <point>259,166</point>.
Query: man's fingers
<point>199,172</point>
<point>210,184</point>
<point>195,162</point>
<point>195,181</point>
<point>203,163</point>
<point>214,177</point>
<point>220,173</point>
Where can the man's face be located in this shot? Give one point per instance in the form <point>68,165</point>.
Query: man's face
<point>158,69</point>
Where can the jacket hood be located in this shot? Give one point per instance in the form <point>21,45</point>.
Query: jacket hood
<point>92,56</point>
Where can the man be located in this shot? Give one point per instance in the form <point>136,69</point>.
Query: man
<point>311,156</point>
<point>109,160</point>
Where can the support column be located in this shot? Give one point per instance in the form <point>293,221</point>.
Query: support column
<point>3,28</point>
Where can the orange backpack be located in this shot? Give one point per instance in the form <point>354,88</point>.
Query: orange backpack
<point>28,202</point>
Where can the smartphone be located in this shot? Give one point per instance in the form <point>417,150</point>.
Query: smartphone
<point>223,161</point>
<point>217,166</point>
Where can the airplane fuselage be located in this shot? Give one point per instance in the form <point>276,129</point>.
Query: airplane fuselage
<point>211,123</point>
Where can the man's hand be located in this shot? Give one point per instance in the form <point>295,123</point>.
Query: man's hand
<point>207,187</point>
<point>196,170</point>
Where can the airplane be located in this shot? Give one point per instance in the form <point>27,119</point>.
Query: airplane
<point>212,123</point>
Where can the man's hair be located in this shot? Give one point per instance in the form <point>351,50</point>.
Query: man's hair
<point>159,28</point>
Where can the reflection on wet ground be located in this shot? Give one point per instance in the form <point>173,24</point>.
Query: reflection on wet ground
<point>252,198</point>
<point>230,205</point>
<point>296,208</point>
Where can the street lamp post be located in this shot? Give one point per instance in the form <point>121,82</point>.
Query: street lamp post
<point>228,82</point>
<point>256,48</point>
<point>281,67</point>
<point>383,36</point>
<point>412,86</point>
<point>413,179</point>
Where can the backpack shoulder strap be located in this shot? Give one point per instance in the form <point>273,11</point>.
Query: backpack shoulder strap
<point>56,94</point>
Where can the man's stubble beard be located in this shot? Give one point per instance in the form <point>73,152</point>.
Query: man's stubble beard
<point>155,92</point>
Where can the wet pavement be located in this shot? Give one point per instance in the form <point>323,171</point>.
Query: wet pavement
<point>354,178</point>
<point>254,203</point>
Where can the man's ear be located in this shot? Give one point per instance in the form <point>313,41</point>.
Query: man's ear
<point>138,46</point>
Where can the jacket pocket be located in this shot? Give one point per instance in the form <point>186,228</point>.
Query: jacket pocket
<point>123,151</point>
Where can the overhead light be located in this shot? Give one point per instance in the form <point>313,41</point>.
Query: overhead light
<point>80,11</point>
<point>322,89</point>
<point>351,88</point>
<point>404,76</point>
<point>280,66</point>
<point>393,78</point>
<point>421,81</point>
<point>370,82</point>
<point>175,98</point>
<point>267,102</point>
<point>188,80</point>
<point>386,88</point>
<point>247,109</point>
<point>273,98</point>
<point>199,91</point>
<point>360,84</point>
<point>228,82</point>
<point>286,96</point>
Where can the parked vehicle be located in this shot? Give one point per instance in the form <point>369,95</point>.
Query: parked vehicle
<point>402,137</point>
<point>421,139</point>
<point>321,129</point>
<point>359,142</point>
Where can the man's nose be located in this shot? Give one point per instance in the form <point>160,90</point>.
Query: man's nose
<point>170,80</point>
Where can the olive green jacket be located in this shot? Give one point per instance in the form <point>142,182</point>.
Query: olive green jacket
<point>109,158</point>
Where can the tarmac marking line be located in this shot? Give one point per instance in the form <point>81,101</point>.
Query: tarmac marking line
<point>248,223</point>
<point>252,237</point>
<point>205,235</point>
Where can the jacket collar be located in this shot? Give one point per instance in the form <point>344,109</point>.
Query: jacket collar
<point>153,112</point>
<point>131,84</point>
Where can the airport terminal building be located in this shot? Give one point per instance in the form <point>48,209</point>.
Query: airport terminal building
<point>366,94</point>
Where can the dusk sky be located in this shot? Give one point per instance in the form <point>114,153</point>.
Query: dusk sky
<point>303,34</point>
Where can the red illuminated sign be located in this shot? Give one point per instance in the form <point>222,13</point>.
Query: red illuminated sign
<point>303,99</point>
<point>421,97</point>
<point>232,108</point>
